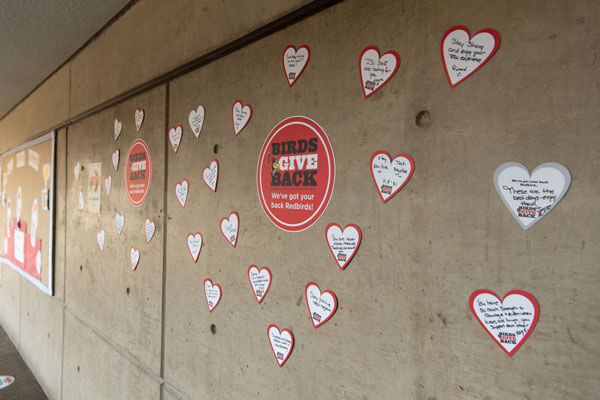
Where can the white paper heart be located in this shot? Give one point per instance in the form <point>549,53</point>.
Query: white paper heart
<point>210,175</point>
<point>175,134</point>
<point>139,118</point>
<point>212,293</point>
<point>462,55</point>
<point>530,198</point>
<point>135,257</point>
<point>376,71</point>
<point>77,170</point>
<point>149,228</point>
<point>294,62</point>
<point>390,175</point>
<point>108,184</point>
<point>321,305</point>
<point>282,343</point>
<point>229,228</point>
<point>100,238</point>
<point>81,201</point>
<point>196,120</point>
<point>241,115</point>
<point>509,321</point>
<point>115,159</point>
<point>117,126</point>
<point>120,221</point>
<point>260,281</point>
<point>181,191</point>
<point>194,243</point>
<point>6,380</point>
<point>343,244</point>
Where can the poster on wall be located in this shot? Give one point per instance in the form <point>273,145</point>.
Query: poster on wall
<point>295,174</point>
<point>94,193</point>
<point>27,210</point>
<point>138,172</point>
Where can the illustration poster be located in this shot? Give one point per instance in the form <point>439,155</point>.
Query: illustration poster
<point>94,193</point>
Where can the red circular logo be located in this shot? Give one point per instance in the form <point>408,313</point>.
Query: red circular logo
<point>295,174</point>
<point>138,172</point>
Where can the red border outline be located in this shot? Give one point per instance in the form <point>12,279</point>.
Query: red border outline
<point>169,135</point>
<point>355,250</point>
<point>237,231</point>
<point>208,168</point>
<point>232,120</point>
<point>392,52</point>
<point>134,267</point>
<point>206,297</point>
<point>533,301</point>
<point>153,232</point>
<point>188,245</point>
<point>273,349</point>
<point>335,303</point>
<point>143,118</point>
<point>268,286</point>
<point>138,140</point>
<point>105,178</point>
<point>186,195</point>
<point>283,62</point>
<point>412,170</point>
<point>118,161</point>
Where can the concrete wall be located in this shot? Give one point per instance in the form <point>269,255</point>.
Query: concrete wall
<point>403,329</point>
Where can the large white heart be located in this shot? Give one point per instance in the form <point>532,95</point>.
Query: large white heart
<point>375,71</point>
<point>321,305</point>
<point>229,228</point>
<point>210,175</point>
<point>175,134</point>
<point>260,281</point>
<point>100,238</point>
<point>390,175</point>
<point>77,170</point>
<point>6,380</point>
<point>108,184</point>
<point>139,118</point>
<point>194,242</point>
<point>81,201</point>
<point>282,343</point>
<point>149,228</point>
<point>181,191</point>
<point>241,116</point>
<point>117,126</point>
<point>120,221</point>
<point>294,62</point>
<point>530,198</point>
<point>509,321</point>
<point>115,159</point>
<point>196,119</point>
<point>135,257</point>
<point>212,293</point>
<point>343,244</point>
<point>462,55</point>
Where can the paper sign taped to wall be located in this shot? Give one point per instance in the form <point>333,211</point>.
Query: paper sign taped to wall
<point>94,187</point>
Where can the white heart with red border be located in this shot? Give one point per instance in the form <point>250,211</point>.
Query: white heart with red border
<point>212,293</point>
<point>196,120</point>
<point>210,175</point>
<point>376,71</point>
<point>241,115</point>
<point>175,134</point>
<point>194,243</point>
<point>139,118</point>
<point>120,222</point>
<point>6,380</point>
<point>117,126</point>
<point>149,228</point>
<point>462,55</point>
<point>321,305</point>
<point>181,191</point>
<point>509,321</point>
<point>531,197</point>
<point>282,343</point>
<point>115,159</point>
<point>135,257</point>
<point>81,201</point>
<point>390,175</point>
<point>260,281</point>
<point>77,170</point>
<point>108,184</point>
<point>294,62</point>
<point>343,244</point>
<point>100,238</point>
<point>229,228</point>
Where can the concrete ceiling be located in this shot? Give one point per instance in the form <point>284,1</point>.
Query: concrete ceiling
<point>37,36</point>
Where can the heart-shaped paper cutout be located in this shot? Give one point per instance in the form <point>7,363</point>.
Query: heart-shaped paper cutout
<point>294,62</point>
<point>376,71</point>
<point>6,380</point>
<point>390,175</point>
<point>139,118</point>
<point>115,159</point>
<point>509,321</point>
<point>343,244</point>
<point>196,120</point>
<point>120,221</point>
<point>100,238</point>
<point>260,281</point>
<point>282,343</point>
<point>210,175</point>
<point>230,227</point>
<point>321,305</point>
<point>117,126</point>
<point>241,115</point>
<point>194,242</point>
<point>530,198</point>
<point>81,201</point>
<point>212,293</point>
<point>175,134</point>
<point>181,191</point>
<point>108,184</point>
<point>149,228</point>
<point>77,170</point>
<point>135,257</point>
<point>462,55</point>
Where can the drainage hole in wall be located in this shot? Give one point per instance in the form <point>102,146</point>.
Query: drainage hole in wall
<point>216,148</point>
<point>127,291</point>
<point>423,119</point>
<point>78,368</point>
<point>81,267</point>
<point>213,329</point>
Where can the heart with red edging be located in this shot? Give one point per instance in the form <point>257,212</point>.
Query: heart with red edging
<point>282,343</point>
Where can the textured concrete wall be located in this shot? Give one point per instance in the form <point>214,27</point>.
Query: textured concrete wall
<point>403,329</point>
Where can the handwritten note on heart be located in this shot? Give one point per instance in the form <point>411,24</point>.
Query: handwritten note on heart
<point>149,228</point>
<point>376,71</point>
<point>294,62</point>
<point>282,343</point>
<point>100,238</point>
<point>212,293</point>
<point>530,198</point>
<point>135,257</point>
<point>321,305</point>
<point>196,120</point>
<point>77,170</point>
<point>181,191</point>
<point>343,244</point>
<point>117,126</point>
<point>139,118</point>
<point>6,380</point>
<point>194,242</point>
<point>260,281</point>
<point>115,159</point>
<point>509,321</point>
<point>175,134</point>
<point>390,175</point>
<point>229,228</point>
<point>108,184</point>
<point>81,201</point>
<point>120,221</point>
<point>462,55</point>
<point>241,116</point>
<point>210,175</point>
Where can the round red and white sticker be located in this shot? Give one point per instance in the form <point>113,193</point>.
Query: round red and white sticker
<point>138,172</point>
<point>295,173</point>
